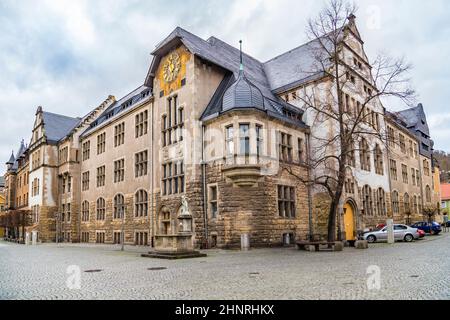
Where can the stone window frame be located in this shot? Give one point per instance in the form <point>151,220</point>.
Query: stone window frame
<point>63,155</point>
<point>364,155</point>
<point>101,143</point>
<point>415,205</point>
<point>85,211</point>
<point>395,202</point>
<point>213,202</point>
<point>100,236</point>
<point>68,212</point>
<point>381,202</point>
<point>101,176</point>
<point>141,164</point>
<point>141,124</point>
<point>407,203</point>
<point>391,136</point>
<point>172,123</point>
<point>173,176</point>
<point>141,203</point>
<point>285,148</point>
<point>393,169</point>
<point>117,237</point>
<point>119,170</point>
<point>413,176</point>
<point>402,142</point>
<point>230,148</point>
<point>244,141</point>
<point>428,194</point>
<point>100,209</point>
<point>367,200</point>
<point>85,237</point>
<point>86,153</point>
<point>119,134</point>
<point>141,238</point>
<point>286,202</point>
<point>119,207</point>
<point>405,177</point>
<point>426,167</point>
<point>85,181</point>
<point>378,160</point>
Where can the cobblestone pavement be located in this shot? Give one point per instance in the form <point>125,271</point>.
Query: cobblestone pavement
<point>418,270</point>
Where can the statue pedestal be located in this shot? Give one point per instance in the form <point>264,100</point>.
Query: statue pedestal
<point>177,246</point>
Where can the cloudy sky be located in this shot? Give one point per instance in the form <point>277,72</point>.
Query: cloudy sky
<point>68,56</point>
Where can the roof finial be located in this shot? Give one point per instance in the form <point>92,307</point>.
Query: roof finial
<point>241,67</point>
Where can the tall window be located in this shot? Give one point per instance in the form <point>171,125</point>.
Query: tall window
<point>401,139</point>
<point>417,178</point>
<point>173,178</point>
<point>393,167</point>
<point>85,211</point>
<point>119,206</point>
<point>213,201</point>
<point>395,202</point>
<point>101,143</point>
<point>406,203</point>
<point>364,155</point>
<point>173,122</point>
<point>286,202</point>
<point>244,140</point>
<point>367,200</point>
<point>86,150</point>
<point>426,167</point>
<point>378,159</point>
<point>351,158</point>
<point>410,149</point>
<point>140,163</point>
<point>391,137</point>
<point>119,134</point>
<point>259,141</point>
<point>413,176</point>
<point>300,150</point>
<point>381,202</point>
<point>285,147</point>
<point>101,176</point>
<point>141,124</point>
<point>141,204</point>
<point>428,193</point>
<point>85,181</point>
<point>119,170</point>
<point>415,205</point>
<point>405,173</point>
<point>101,209</point>
<point>229,136</point>
<point>63,155</point>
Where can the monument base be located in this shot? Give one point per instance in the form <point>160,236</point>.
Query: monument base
<point>174,255</point>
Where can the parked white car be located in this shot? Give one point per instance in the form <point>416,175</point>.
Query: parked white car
<point>401,233</point>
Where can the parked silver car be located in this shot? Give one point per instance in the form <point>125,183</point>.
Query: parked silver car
<point>401,233</point>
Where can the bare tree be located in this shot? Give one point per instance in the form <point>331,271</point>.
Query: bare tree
<point>341,125</point>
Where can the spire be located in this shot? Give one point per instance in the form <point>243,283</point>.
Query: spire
<point>11,159</point>
<point>241,66</point>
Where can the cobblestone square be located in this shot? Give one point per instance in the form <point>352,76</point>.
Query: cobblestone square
<point>418,270</point>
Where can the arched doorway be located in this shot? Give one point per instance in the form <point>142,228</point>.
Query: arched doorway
<point>349,222</point>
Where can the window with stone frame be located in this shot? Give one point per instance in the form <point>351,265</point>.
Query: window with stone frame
<point>367,199</point>
<point>406,203</point>
<point>63,212</point>
<point>64,155</point>
<point>85,211</point>
<point>86,150</point>
<point>119,170</point>
<point>378,159</point>
<point>85,181</point>
<point>119,134</point>
<point>349,186</point>
<point>141,124</point>
<point>117,237</point>
<point>259,141</point>
<point>395,202</point>
<point>84,237</point>
<point>351,157</point>
<point>410,148</point>
<point>101,209</point>
<point>101,143</point>
<point>426,167</point>
<point>101,176</point>
<point>391,137</point>
<point>173,178</point>
<point>140,163</point>
<point>300,150</point>
<point>364,155</point>
<point>141,238</point>
<point>69,184</point>
<point>119,206</point>
<point>393,168</point>
<point>213,201</point>
<point>285,147</point>
<point>100,237</point>
<point>405,173</point>
<point>141,204</point>
<point>413,176</point>
<point>286,202</point>
<point>68,212</point>
<point>229,140</point>
<point>415,150</point>
<point>63,183</point>
<point>401,139</point>
<point>381,202</point>
<point>415,205</point>
<point>428,194</point>
<point>417,178</point>
<point>244,141</point>
<point>173,122</point>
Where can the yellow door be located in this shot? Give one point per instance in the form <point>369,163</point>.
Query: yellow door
<point>349,222</point>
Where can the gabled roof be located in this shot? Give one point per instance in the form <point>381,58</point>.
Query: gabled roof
<point>58,126</point>
<point>113,111</point>
<point>445,191</point>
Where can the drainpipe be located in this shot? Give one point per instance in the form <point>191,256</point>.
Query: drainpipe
<point>152,231</point>
<point>205,209</point>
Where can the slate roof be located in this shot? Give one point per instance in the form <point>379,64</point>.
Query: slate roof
<point>58,126</point>
<point>242,94</point>
<point>227,57</point>
<point>113,111</point>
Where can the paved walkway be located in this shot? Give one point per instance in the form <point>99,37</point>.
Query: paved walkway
<point>419,270</point>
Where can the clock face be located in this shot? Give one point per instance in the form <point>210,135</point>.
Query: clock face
<point>171,67</point>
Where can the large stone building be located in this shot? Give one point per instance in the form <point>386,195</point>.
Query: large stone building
<point>211,147</point>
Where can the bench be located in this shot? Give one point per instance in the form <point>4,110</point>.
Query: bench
<point>302,245</point>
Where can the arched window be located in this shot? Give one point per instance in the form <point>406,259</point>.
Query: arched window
<point>428,193</point>
<point>395,202</point>
<point>381,202</point>
<point>364,155</point>
<point>406,204</point>
<point>101,209</point>
<point>141,204</point>
<point>85,211</point>
<point>378,160</point>
<point>119,206</point>
<point>367,200</point>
